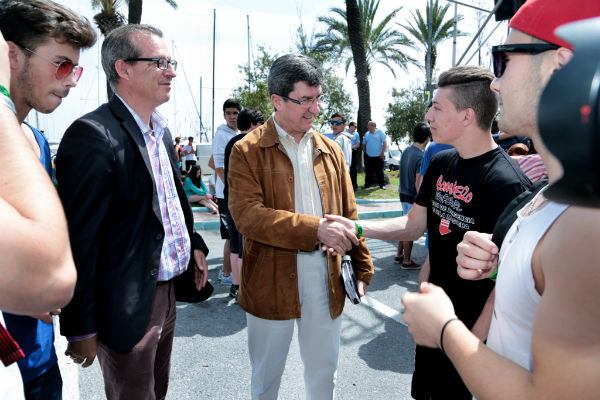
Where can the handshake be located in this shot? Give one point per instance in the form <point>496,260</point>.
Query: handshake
<point>337,234</point>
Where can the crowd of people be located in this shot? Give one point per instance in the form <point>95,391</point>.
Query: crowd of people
<point>501,313</point>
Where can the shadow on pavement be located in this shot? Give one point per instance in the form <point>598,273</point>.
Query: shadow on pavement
<point>387,351</point>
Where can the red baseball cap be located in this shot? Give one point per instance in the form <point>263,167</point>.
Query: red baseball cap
<point>539,18</point>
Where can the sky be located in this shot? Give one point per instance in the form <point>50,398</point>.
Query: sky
<point>188,31</point>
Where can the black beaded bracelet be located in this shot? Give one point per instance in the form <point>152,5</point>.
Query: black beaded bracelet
<point>442,333</point>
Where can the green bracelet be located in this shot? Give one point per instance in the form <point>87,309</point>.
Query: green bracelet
<point>358,228</point>
<point>494,275</point>
<point>4,91</point>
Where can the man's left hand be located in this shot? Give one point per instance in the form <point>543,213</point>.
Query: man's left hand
<point>426,312</point>
<point>201,270</point>
<point>362,287</point>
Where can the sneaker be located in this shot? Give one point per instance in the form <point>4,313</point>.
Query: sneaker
<point>398,260</point>
<point>234,290</point>
<point>411,265</point>
<point>226,280</point>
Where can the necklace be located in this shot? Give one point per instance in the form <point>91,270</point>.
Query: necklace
<point>534,205</point>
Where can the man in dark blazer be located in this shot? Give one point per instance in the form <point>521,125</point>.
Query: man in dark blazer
<point>130,223</point>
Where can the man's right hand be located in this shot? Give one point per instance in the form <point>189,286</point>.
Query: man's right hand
<point>477,256</point>
<point>336,236</point>
<point>83,352</point>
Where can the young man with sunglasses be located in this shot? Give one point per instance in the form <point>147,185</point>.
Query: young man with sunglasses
<point>44,41</point>
<point>130,222</point>
<point>283,178</point>
<point>543,341</point>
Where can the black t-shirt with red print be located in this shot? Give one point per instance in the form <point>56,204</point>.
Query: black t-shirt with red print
<point>464,195</point>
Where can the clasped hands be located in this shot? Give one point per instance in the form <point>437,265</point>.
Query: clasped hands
<point>337,234</point>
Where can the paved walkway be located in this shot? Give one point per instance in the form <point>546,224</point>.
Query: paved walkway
<point>367,209</point>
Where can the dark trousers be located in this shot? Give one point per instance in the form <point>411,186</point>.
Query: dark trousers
<point>373,171</point>
<point>143,372</point>
<point>354,169</point>
<point>47,386</point>
<point>189,164</point>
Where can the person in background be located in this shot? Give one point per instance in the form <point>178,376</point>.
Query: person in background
<point>248,120</point>
<point>374,147</point>
<point>532,164</point>
<point>197,192</point>
<point>410,165</point>
<point>189,152</point>
<point>543,341</point>
<point>44,40</point>
<point>178,152</point>
<point>224,133</point>
<point>344,140</point>
<point>355,146</point>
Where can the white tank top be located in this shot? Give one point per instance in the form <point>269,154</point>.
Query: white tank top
<point>516,297</point>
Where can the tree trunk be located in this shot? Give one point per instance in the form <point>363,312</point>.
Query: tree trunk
<point>361,68</point>
<point>135,12</point>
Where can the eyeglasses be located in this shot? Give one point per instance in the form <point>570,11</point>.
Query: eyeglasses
<point>306,101</point>
<point>63,68</point>
<point>499,53</point>
<point>161,62</point>
<point>338,123</point>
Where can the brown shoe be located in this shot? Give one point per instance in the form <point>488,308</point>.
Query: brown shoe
<point>412,265</point>
<point>399,259</point>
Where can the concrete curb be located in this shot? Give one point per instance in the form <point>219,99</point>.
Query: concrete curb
<point>216,224</point>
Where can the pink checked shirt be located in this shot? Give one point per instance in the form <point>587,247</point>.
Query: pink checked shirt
<point>176,249</point>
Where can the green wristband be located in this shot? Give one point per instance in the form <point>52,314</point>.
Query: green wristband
<point>494,275</point>
<point>358,228</point>
<point>4,91</point>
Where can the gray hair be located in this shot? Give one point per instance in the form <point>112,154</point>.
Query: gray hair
<point>292,68</point>
<point>119,46</point>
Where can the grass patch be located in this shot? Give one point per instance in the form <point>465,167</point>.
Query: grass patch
<point>373,193</point>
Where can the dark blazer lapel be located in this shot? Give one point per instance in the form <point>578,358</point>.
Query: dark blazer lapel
<point>133,130</point>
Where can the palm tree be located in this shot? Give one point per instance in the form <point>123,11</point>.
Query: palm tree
<point>354,28</point>
<point>135,10</point>
<point>440,31</point>
<point>108,18</point>
<point>382,43</point>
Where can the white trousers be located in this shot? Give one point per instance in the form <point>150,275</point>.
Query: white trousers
<point>318,337</point>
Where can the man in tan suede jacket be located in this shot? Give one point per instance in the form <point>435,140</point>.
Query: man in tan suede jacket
<point>283,178</point>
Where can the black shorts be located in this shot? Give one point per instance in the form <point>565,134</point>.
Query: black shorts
<point>235,237</point>
<point>223,211</point>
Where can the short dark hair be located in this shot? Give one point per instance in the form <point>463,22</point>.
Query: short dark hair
<point>30,23</point>
<point>177,140</point>
<point>191,138</point>
<point>292,68</point>
<point>118,45</point>
<point>338,115</point>
<point>471,89</point>
<point>352,123</point>
<point>232,103</point>
<point>421,132</point>
<point>249,116</point>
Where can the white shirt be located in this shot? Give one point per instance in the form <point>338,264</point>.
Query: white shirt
<point>517,299</point>
<point>222,136</point>
<point>345,142</point>
<point>192,155</point>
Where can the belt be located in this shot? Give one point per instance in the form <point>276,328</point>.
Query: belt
<point>317,248</point>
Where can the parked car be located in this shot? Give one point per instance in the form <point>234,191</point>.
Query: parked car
<point>392,159</point>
